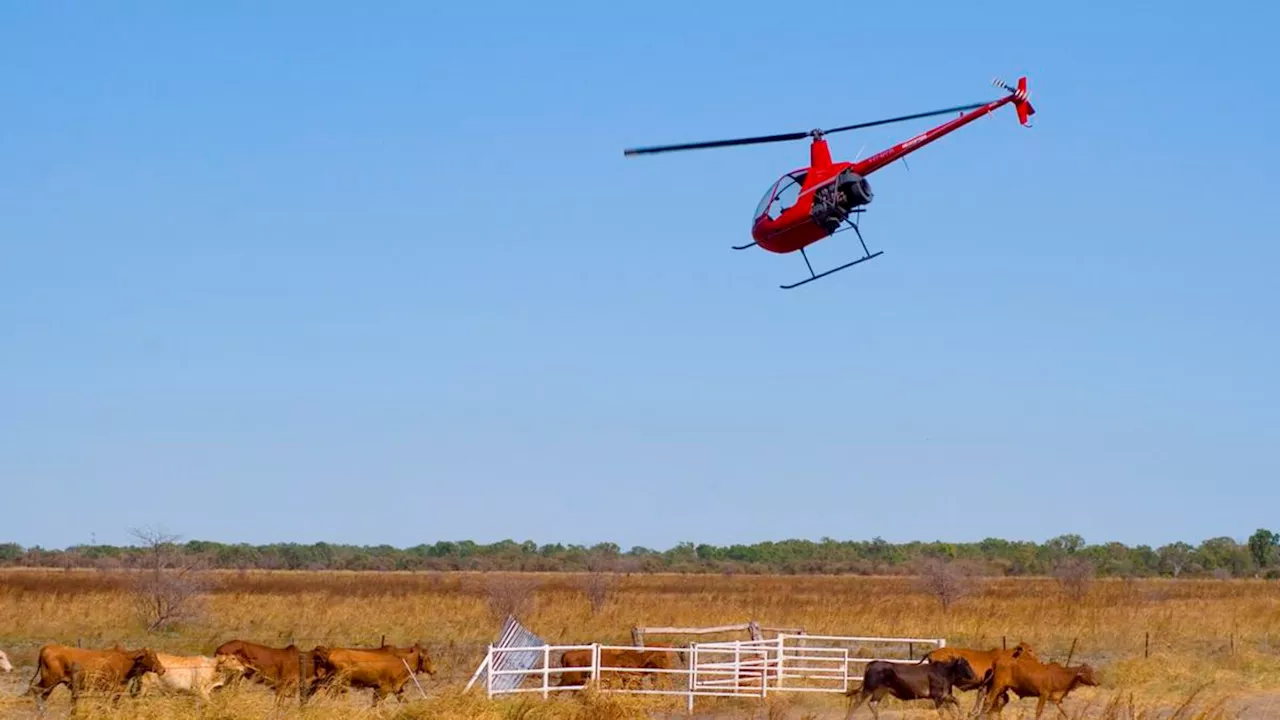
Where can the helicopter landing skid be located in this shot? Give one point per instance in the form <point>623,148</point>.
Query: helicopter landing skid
<point>866,255</point>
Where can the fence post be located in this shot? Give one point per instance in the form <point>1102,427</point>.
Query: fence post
<point>782,654</point>
<point>737,666</point>
<point>911,651</point>
<point>384,641</point>
<point>693,672</point>
<point>1004,642</point>
<point>1146,650</point>
<point>546,670</point>
<point>595,663</point>
<point>488,676</point>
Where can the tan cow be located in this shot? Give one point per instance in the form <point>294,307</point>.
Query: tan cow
<point>79,668</point>
<point>386,670</point>
<point>4,663</point>
<point>194,674</point>
<point>1027,677</point>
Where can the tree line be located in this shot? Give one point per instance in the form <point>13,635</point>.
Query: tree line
<point>1258,556</point>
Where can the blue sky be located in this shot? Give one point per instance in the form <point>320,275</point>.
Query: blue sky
<point>381,274</point>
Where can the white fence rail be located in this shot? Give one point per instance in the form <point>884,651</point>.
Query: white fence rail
<point>749,668</point>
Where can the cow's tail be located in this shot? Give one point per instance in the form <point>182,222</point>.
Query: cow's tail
<point>31,684</point>
<point>855,687</point>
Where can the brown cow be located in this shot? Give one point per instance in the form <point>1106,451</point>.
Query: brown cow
<point>1026,677</point>
<point>648,657</point>
<point>78,668</point>
<point>980,660</point>
<point>277,668</point>
<point>386,670</point>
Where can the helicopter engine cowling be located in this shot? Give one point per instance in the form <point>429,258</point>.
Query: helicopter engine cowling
<point>855,191</point>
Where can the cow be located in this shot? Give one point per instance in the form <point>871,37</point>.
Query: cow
<point>1027,677</point>
<point>78,668</point>
<point>980,660</point>
<point>917,681</point>
<point>191,674</point>
<point>640,658</point>
<point>387,670</point>
<point>277,668</point>
<point>4,663</point>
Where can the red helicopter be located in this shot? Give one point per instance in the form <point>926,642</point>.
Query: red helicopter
<point>815,202</point>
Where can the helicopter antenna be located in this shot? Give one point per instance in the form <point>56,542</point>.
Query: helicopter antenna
<point>785,137</point>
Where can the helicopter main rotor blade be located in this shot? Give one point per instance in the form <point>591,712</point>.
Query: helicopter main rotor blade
<point>931,113</point>
<point>786,137</point>
<point>717,143</point>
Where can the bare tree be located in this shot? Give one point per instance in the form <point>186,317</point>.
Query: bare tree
<point>946,581</point>
<point>597,586</point>
<point>511,595</point>
<point>1075,576</point>
<point>170,585</point>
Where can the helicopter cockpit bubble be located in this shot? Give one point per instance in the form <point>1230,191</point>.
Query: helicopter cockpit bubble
<point>781,195</point>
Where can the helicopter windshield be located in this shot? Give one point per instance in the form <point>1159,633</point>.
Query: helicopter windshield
<point>782,195</point>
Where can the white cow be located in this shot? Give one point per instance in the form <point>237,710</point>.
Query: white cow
<point>4,663</point>
<point>194,674</point>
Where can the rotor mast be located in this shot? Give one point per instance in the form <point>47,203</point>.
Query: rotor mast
<point>819,153</point>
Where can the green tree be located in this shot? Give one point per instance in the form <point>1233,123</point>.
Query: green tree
<point>1065,544</point>
<point>1262,546</point>
<point>1175,557</point>
<point>10,552</point>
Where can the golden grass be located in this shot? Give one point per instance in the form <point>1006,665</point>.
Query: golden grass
<point>1219,633</point>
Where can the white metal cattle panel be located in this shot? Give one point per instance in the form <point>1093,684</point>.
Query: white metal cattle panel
<point>809,668</point>
<point>513,635</point>
<point>646,681</point>
<point>736,667</point>
<point>864,650</point>
<point>753,668</point>
<point>503,679</point>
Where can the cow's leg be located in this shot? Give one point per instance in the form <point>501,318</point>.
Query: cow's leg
<point>853,706</point>
<point>42,693</point>
<point>1040,705</point>
<point>995,702</point>
<point>979,701</point>
<point>876,696</point>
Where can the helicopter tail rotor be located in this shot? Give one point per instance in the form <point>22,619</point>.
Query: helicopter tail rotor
<point>1021,98</point>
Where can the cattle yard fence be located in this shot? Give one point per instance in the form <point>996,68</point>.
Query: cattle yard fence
<point>738,668</point>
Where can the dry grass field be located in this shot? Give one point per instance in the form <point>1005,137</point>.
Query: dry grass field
<point>1216,642</point>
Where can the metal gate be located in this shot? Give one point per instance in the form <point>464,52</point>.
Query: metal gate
<point>745,668</point>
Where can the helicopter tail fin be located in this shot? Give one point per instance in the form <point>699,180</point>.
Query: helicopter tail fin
<point>1021,103</point>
